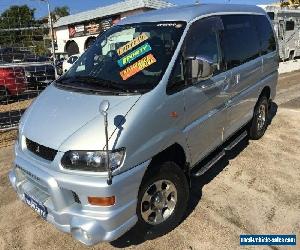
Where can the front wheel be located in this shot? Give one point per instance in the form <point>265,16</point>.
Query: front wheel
<point>259,123</point>
<point>163,198</point>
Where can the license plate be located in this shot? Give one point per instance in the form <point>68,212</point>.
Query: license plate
<point>36,206</point>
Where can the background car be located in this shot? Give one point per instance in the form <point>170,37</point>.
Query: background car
<point>38,70</point>
<point>39,75</point>
<point>12,82</point>
<point>67,64</point>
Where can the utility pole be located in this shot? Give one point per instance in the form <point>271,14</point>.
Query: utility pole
<point>52,36</point>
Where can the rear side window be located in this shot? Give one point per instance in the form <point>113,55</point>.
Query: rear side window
<point>290,25</point>
<point>266,34</point>
<point>271,15</point>
<point>240,41</point>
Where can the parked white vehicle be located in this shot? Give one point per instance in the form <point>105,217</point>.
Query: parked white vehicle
<point>67,64</point>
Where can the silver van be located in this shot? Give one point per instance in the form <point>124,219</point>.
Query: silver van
<point>114,141</point>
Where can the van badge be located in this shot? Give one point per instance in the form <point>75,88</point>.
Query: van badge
<point>37,150</point>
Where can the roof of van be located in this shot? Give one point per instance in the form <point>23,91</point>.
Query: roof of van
<point>189,12</point>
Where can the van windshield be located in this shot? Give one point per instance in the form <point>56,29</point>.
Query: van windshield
<point>126,58</point>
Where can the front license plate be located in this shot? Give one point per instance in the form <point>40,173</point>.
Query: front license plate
<point>36,206</point>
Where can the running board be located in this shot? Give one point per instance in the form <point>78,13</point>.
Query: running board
<point>212,162</point>
<point>236,141</point>
<point>219,156</point>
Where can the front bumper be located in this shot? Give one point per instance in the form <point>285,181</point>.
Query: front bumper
<point>65,196</point>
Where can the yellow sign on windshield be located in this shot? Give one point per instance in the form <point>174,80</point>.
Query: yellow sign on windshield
<point>137,67</point>
<point>128,46</point>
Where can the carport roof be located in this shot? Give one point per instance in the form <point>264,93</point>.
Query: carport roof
<point>113,9</point>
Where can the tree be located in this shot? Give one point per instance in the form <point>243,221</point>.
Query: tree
<point>59,12</point>
<point>290,3</point>
<point>13,22</point>
<point>19,29</point>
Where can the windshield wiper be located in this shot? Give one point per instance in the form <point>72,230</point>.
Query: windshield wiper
<point>107,84</point>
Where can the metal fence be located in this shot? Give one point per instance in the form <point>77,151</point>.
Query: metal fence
<point>26,66</point>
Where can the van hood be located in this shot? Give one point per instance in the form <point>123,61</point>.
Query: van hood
<point>65,120</point>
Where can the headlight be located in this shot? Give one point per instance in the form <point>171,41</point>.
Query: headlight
<point>94,161</point>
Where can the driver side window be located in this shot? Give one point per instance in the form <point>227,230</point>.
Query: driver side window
<point>203,42</point>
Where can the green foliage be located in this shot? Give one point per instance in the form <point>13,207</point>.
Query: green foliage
<point>14,22</point>
<point>19,28</point>
<point>290,3</point>
<point>18,16</point>
<point>59,12</point>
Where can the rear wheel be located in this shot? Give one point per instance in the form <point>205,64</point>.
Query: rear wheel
<point>259,123</point>
<point>163,198</point>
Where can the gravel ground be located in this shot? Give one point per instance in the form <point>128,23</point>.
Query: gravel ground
<point>255,191</point>
<point>18,105</point>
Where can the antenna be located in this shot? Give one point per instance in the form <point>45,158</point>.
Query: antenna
<point>103,108</point>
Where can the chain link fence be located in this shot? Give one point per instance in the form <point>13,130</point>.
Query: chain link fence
<point>26,66</point>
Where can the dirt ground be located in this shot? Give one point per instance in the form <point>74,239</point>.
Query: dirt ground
<point>255,191</point>
<point>18,105</point>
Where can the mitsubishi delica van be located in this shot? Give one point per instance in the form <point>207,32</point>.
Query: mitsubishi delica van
<point>114,142</point>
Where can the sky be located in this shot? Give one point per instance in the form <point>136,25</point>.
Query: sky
<point>82,5</point>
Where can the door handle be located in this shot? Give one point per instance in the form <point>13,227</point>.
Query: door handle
<point>237,79</point>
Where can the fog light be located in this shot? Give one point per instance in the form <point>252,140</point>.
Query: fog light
<point>102,201</point>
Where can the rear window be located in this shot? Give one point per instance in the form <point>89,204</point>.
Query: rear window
<point>240,40</point>
<point>290,25</point>
<point>271,15</point>
<point>266,34</point>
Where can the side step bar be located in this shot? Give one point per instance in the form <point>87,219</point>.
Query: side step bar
<point>236,141</point>
<point>208,165</point>
<point>220,155</point>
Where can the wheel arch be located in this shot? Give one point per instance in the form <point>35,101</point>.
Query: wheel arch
<point>174,153</point>
<point>266,91</point>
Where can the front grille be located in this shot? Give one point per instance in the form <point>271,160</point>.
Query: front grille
<point>40,150</point>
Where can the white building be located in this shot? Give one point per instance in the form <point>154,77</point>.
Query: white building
<point>75,33</point>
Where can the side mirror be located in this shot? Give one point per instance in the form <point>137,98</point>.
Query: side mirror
<point>199,68</point>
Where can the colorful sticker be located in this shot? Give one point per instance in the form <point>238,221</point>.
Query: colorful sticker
<point>137,66</point>
<point>136,41</point>
<point>134,55</point>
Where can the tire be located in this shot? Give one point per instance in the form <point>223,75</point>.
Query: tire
<point>259,122</point>
<point>3,94</point>
<point>168,176</point>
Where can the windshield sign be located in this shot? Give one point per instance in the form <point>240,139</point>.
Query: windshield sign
<point>128,58</point>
